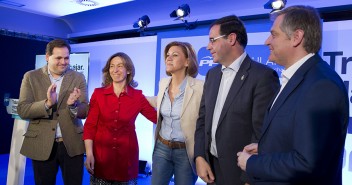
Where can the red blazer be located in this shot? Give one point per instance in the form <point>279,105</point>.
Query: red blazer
<point>110,124</point>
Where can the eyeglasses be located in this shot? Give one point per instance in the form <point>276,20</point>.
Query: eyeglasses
<point>212,40</point>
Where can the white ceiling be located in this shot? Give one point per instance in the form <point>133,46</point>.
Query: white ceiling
<point>56,8</point>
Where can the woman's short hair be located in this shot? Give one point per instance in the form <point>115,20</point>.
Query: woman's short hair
<point>188,51</point>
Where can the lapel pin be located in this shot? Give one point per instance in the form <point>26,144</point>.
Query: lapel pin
<point>242,78</point>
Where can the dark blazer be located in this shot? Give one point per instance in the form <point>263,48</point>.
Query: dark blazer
<point>40,135</point>
<point>304,132</point>
<point>241,118</point>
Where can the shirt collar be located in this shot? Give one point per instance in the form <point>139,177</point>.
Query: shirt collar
<point>289,72</point>
<point>49,73</point>
<point>127,91</point>
<point>183,85</point>
<point>235,65</point>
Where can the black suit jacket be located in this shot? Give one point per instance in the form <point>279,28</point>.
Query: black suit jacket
<point>241,118</point>
<point>304,132</point>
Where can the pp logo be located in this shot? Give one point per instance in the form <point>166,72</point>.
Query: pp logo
<point>205,61</point>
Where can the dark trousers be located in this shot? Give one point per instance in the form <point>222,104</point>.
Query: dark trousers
<point>215,168</point>
<point>71,167</point>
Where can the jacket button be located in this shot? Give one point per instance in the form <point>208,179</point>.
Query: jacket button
<point>53,129</point>
<point>57,114</point>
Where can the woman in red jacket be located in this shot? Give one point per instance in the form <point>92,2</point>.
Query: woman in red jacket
<point>109,131</point>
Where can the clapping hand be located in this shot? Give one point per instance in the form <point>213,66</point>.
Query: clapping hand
<point>74,96</point>
<point>51,96</point>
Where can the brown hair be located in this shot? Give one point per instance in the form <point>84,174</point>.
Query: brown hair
<point>107,80</point>
<point>188,51</point>
<point>57,43</point>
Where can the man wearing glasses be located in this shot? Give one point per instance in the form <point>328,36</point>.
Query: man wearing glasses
<point>235,97</point>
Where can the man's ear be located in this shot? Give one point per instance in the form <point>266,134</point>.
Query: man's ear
<point>47,57</point>
<point>297,37</point>
<point>232,38</point>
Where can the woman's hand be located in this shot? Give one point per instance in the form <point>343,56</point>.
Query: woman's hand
<point>89,164</point>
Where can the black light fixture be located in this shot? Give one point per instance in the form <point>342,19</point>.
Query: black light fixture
<point>180,13</point>
<point>142,22</point>
<point>275,5</point>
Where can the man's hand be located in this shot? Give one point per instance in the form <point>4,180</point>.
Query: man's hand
<point>248,151</point>
<point>74,96</point>
<point>242,158</point>
<point>51,96</point>
<point>251,148</point>
<point>204,170</point>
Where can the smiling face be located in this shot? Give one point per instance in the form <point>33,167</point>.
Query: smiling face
<point>279,43</point>
<point>118,71</point>
<point>175,60</point>
<point>59,61</point>
<point>219,48</point>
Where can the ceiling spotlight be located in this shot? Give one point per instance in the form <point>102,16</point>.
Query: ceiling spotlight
<point>87,2</point>
<point>142,22</point>
<point>181,12</point>
<point>275,5</point>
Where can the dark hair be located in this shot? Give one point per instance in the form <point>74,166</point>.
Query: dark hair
<point>107,80</point>
<point>232,24</point>
<point>188,51</point>
<point>57,43</point>
<point>305,18</point>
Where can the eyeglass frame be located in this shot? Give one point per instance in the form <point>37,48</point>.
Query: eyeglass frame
<point>212,40</point>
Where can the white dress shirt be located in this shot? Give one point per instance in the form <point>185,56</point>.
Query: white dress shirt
<point>228,75</point>
<point>287,74</point>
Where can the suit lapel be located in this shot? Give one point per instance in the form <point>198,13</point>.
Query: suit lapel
<point>162,87</point>
<point>188,94</point>
<point>291,85</point>
<point>213,88</point>
<point>45,78</point>
<point>237,84</point>
<point>66,82</point>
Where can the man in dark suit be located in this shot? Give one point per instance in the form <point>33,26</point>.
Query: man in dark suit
<point>54,99</point>
<point>305,128</point>
<point>236,94</point>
